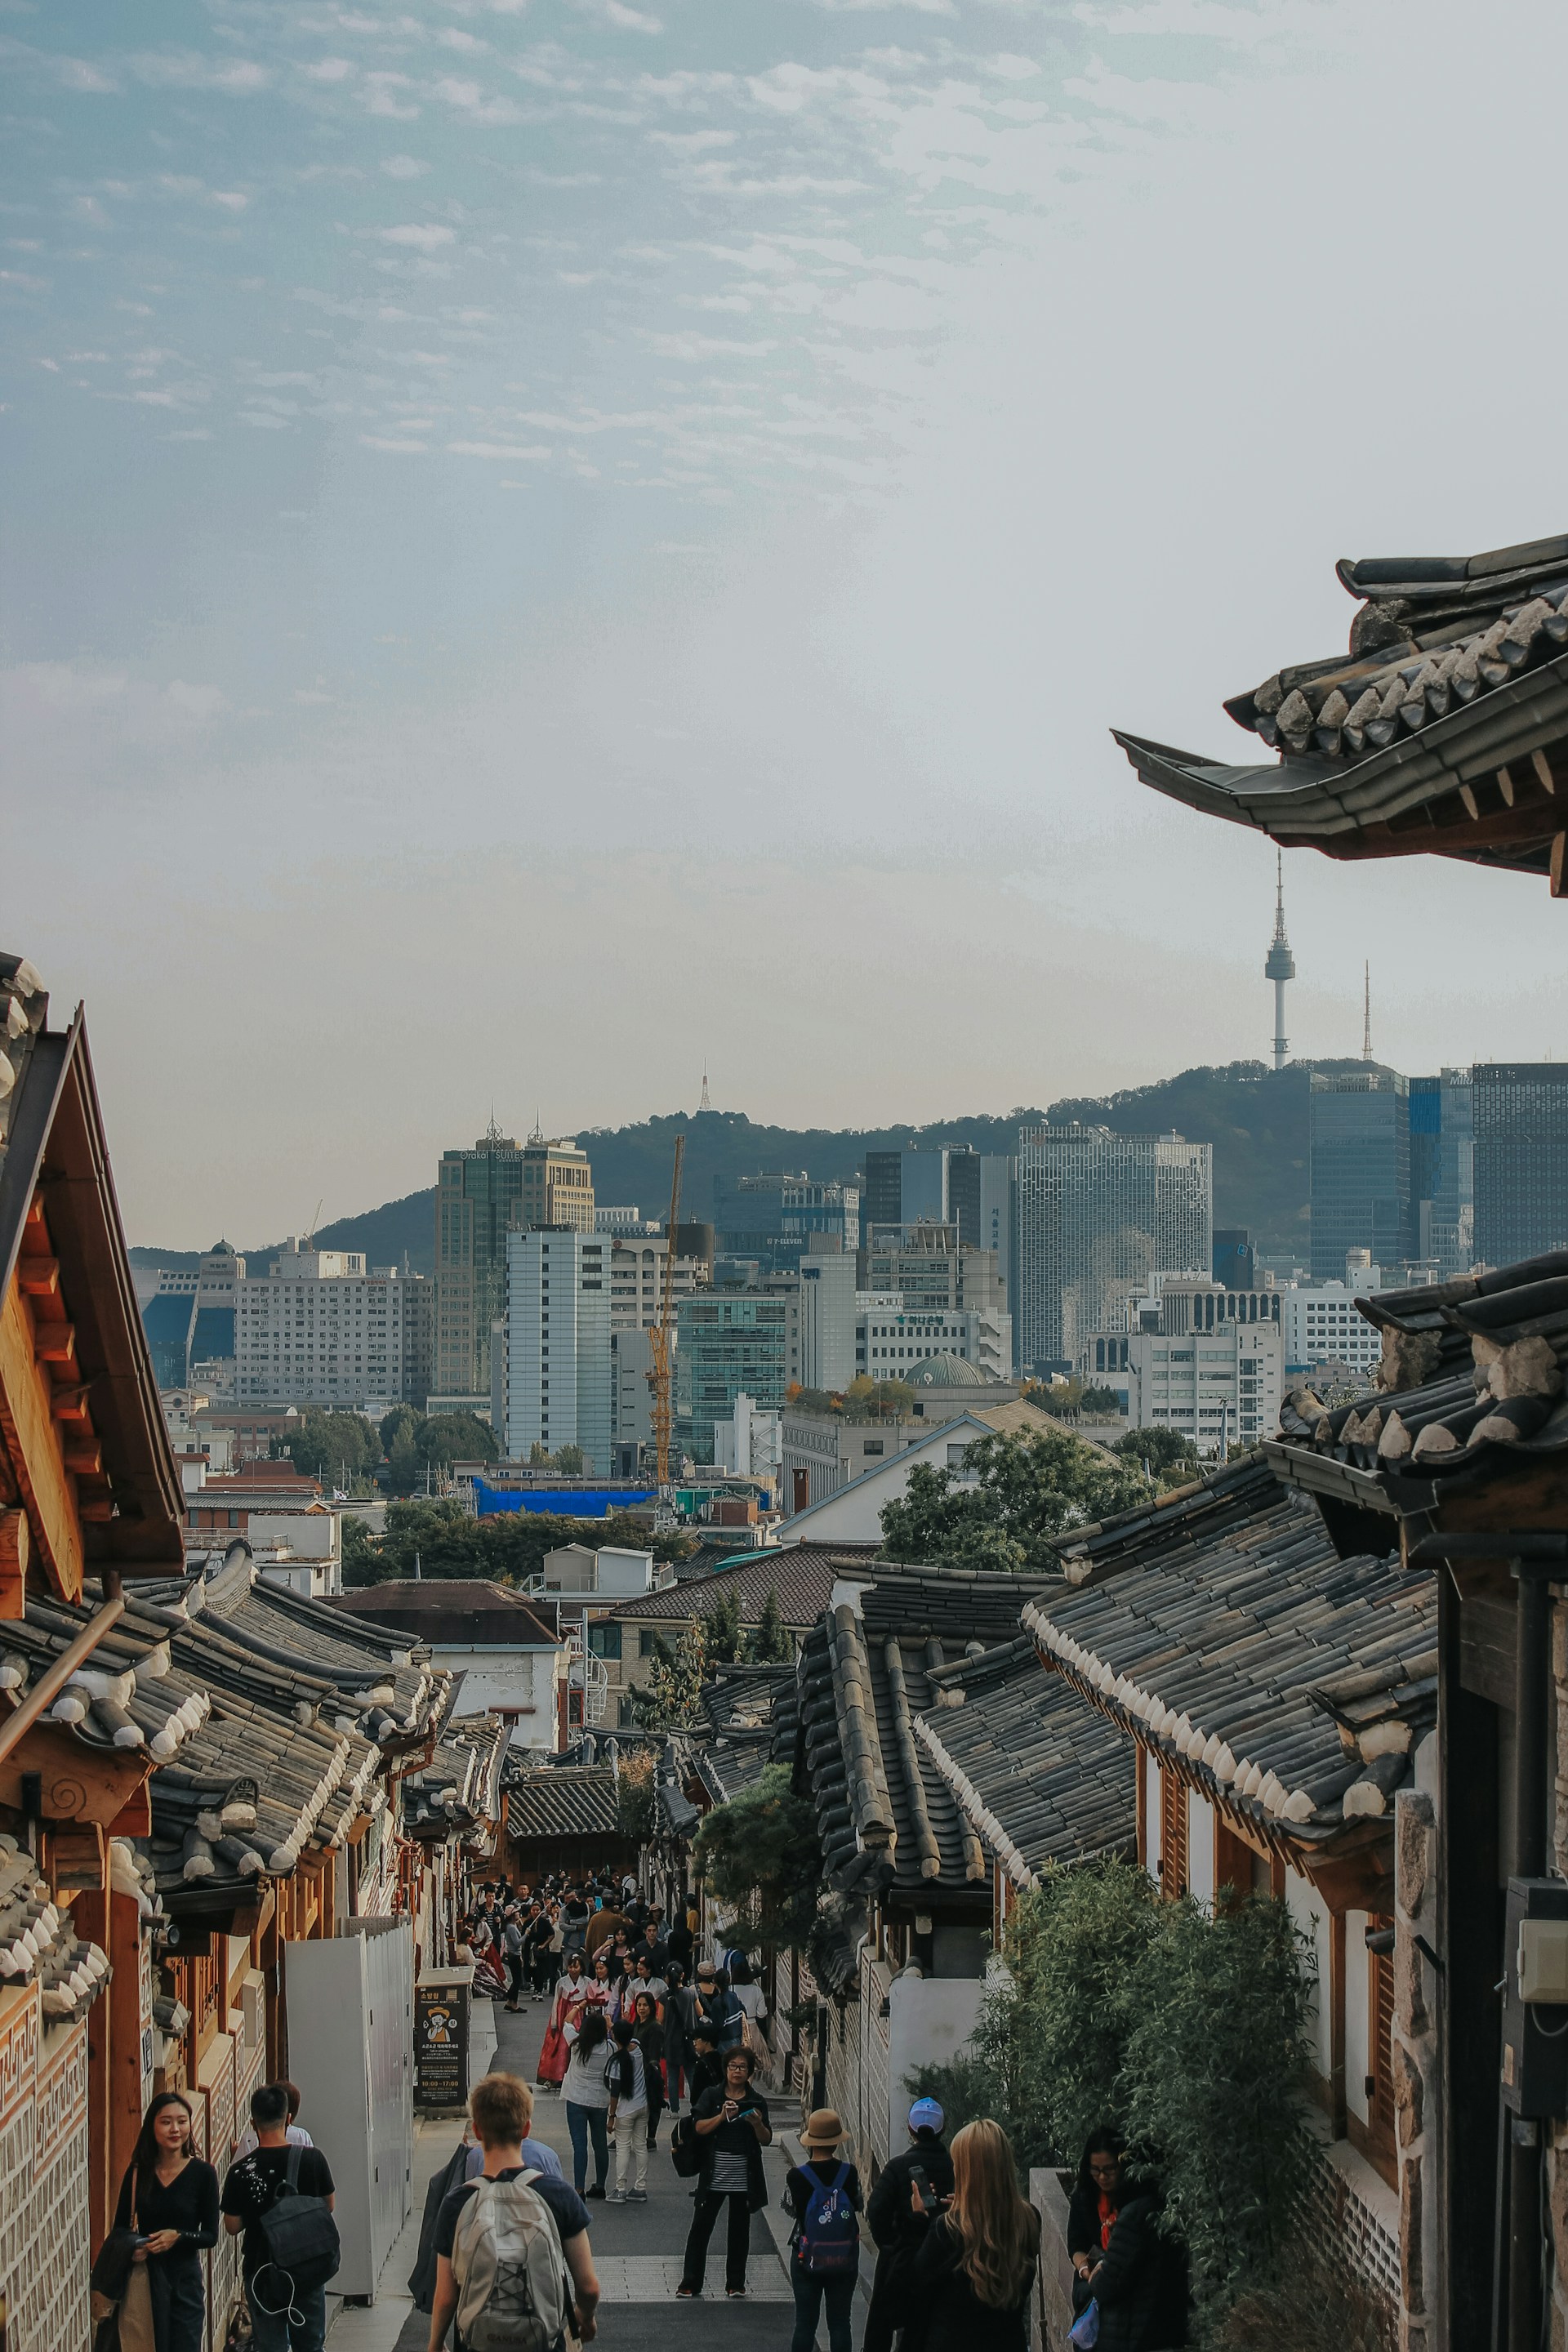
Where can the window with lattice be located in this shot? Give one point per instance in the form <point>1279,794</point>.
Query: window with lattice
<point>1380,2038</point>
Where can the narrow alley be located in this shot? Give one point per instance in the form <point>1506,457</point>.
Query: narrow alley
<point>637,2248</point>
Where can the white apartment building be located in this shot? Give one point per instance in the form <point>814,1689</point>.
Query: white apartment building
<point>836,1332</point>
<point>631,1399</point>
<point>1323,1325</point>
<point>636,1275</point>
<point>559,1365</point>
<point>1219,1388</point>
<point>750,1443</point>
<point>317,1328</point>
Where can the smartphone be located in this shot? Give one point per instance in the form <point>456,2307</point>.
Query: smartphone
<point>917,2178</point>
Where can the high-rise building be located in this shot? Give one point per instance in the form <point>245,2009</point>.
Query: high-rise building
<point>1359,1138</point>
<point>1442,1172</point>
<point>559,1369</point>
<point>727,1340</point>
<point>1220,1387</point>
<point>1323,1325</point>
<point>1520,1112</point>
<point>884,1197</point>
<point>1235,1259</point>
<point>822,1333</point>
<point>478,1197</point>
<point>189,1322</point>
<point>557,1185</point>
<point>910,1188</point>
<point>771,1216</point>
<point>1098,1213</point>
<point>636,1280</point>
<point>481,1195</point>
<point>318,1329</point>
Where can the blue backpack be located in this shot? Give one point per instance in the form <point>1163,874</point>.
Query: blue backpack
<point>829,2244</point>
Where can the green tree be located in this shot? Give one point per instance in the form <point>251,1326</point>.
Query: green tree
<point>869,1400</point>
<point>723,1641</point>
<point>1011,1496</point>
<point>671,1700</point>
<point>772,1643</point>
<point>333,1445</point>
<point>1172,1459</point>
<point>571,1462</point>
<point>759,1855</point>
<point>637,1797</point>
<point>361,1552</point>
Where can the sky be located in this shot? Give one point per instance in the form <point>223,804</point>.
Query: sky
<point>549,545</point>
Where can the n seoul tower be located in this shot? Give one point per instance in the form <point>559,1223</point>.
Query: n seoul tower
<point>1281,965</point>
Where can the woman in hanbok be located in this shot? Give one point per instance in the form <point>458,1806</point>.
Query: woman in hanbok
<point>572,1993</point>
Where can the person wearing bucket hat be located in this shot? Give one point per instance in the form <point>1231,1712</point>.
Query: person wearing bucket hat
<point>891,2222</point>
<point>824,2194</point>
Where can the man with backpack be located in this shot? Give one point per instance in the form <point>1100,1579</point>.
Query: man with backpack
<point>514,2265</point>
<point>824,2246</point>
<point>282,2197</point>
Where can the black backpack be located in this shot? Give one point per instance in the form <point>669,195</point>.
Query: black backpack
<point>300,2238</point>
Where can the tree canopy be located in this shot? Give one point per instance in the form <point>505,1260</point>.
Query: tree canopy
<point>1011,1496</point>
<point>759,1854</point>
<point>334,1447</point>
<point>1170,1457</point>
<point>415,1441</point>
<point>508,1547</point>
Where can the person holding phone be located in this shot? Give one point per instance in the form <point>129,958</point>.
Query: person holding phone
<point>894,2230</point>
<point>169,2197</point>
<point>732,2128</point>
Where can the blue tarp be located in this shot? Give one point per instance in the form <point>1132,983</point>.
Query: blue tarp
<point>568,1502</point>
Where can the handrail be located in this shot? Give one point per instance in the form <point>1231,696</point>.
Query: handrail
<point>59,1673</point>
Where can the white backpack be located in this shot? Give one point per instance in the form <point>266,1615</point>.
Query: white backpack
<point>510,2269</point>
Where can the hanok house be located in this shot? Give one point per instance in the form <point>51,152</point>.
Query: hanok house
<point>198,1777</point>
<point>562,1820</point>
<point>1446,731</point>
<point>897,1955</point>
<point>801,1577</point>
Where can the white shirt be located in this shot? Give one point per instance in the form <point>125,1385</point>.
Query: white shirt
<point>750,2000</point>
<point>248,2143</point>
<point>585,2085</point>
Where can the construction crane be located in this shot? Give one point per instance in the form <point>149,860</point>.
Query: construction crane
<point>659,1339</point>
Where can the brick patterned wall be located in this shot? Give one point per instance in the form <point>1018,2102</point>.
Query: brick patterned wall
<point>44,2226</point>
<point>875,1980</point>
<point>1416,2077</point>
<point>1344,2226</point>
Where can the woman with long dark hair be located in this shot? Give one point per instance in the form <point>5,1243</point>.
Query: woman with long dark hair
<point>586,2095</point>
<point>1120,2259</point>
<point>169,2197</point>
<point>974,2270</point>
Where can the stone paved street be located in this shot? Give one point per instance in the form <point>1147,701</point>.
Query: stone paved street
<point>637,2248</point>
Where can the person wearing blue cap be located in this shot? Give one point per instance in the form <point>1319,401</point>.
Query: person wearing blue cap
<point>892,2222</point>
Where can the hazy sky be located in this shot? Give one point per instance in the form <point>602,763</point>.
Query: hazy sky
<point>551,541</point>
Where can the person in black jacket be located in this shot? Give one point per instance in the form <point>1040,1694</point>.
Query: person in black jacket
<point>1098,2196</point>
<point>821,2141</point>
<point>170,2197</point>
<point>732,2128</point>
<point>893,2224</point>
<point>1140,2281</point>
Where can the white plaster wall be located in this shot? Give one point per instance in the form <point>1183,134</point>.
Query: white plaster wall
<point>1200,1847</point>
<point>930,2019</point>
<point>498,1678</point>
<point>1312,1919</point>
<point>1152,1811</point>
<point>1358,2017</point>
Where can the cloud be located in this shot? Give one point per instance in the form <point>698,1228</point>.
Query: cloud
<point>394,448</point>
<point>329,70</point>
<point>495,450</point>
<point>188,69</point>
<point>424,236</point>
<point>616,14</point>
<point>404,167</point>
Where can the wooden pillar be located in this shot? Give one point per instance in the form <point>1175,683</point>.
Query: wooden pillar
<point>1337,2109</point>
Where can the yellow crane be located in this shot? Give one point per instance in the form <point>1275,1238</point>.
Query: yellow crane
<point>660,1338</point>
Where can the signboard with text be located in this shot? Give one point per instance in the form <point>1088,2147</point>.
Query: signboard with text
<point>441,2045</point>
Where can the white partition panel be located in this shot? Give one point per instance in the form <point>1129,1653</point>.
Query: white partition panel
<point>350,2050</point>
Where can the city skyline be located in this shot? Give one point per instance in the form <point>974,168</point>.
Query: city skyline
<point>768,306</point>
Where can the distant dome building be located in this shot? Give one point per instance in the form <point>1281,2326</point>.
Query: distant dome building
<point>945,1373</point>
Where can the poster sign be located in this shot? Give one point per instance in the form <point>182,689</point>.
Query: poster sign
<point>441,2045</point>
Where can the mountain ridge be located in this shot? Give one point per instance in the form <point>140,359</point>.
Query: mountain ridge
<point>1255,1118</point>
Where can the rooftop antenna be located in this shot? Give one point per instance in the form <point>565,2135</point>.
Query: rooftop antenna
<point>1280,965</point>
<point>1366,1013</point>
<point>707,1101</point>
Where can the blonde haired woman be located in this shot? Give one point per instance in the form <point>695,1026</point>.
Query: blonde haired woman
<point>975,2271</point>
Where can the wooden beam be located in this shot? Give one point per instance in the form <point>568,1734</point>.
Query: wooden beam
<point>1556,869</point>
<point>40,1276</point>
<point>26,1423</point>
<point>76,1783</point>
<point>1543,766</point>
<point>55,1343</point>
<point>1467,796</point>
<point>1505,785</point>
<point>50,1686</point>
<point>16,1550</point>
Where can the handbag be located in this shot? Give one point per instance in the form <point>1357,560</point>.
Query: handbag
<point>121,2296</point>
<point>686,2149</point>
<point>136,2313</point>
<point>1085,2329</point>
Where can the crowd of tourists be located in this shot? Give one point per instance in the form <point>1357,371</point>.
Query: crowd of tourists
<point>638,2027</point>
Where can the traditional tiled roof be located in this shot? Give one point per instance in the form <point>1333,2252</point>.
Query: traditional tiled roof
<point>741,1697</point>
<point>460,1789</point>
<point>1291,1684</point>
<point>802,1575</point>
<point>455,1611</point>
<point>1043,1778</point>
<point>1470,1382</point>
<point>38,1940</point>
<point>269,1717</point>
<point>563,1801</point>
<point>885,1815</point>
<point>1445,729</point>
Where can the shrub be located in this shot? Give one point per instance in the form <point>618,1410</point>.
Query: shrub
<point>636,1800</point>
<point>759,1855</point>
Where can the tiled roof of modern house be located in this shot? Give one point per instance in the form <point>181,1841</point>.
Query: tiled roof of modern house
<point>802,1575</point>
<point>1446,723</point>
<point>1292,1685</point>
<point>1471,1380</point>
<point>1042,1777</point>
<point>563,1800</point>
